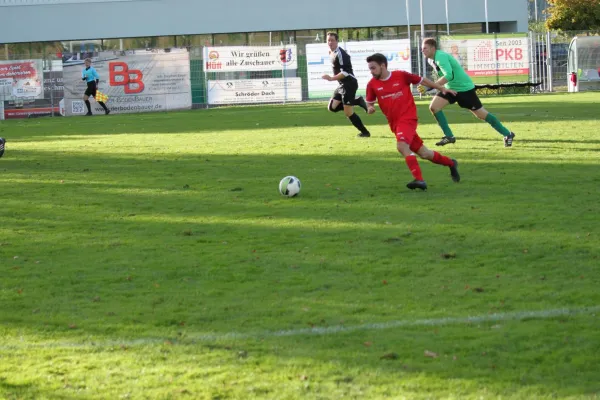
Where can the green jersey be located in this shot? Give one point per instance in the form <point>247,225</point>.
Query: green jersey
<point>446,66</point>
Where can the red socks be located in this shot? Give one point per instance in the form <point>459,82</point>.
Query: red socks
<point>442,160</point>
<point>413,166</point>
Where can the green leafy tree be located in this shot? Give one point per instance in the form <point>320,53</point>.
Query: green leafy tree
<point>574,15</point>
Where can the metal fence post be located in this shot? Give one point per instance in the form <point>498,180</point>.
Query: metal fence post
<point>51,87</point>
<point>550,63</point>
<point>532,75</point>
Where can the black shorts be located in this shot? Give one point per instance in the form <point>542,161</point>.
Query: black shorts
<point>346,92</point>
<point>468,99</point>
<point>91,89</point>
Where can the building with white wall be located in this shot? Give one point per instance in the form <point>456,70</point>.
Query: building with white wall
<point>175,22</point>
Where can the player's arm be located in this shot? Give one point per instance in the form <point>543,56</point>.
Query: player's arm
<point>83,77</point>
<point>424,83</point>
<point>448,74</point>
<point>338,77</point>
<point>345,63</point>
<point>96,76</point>
<point>371,99</point>
<point>442,81</point>
<point>437,85</point>
<point>446,67</point>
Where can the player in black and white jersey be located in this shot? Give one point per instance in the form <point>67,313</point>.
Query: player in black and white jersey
<point>344,97</point>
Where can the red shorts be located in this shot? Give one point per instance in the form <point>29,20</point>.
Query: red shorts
<point>406,131</point>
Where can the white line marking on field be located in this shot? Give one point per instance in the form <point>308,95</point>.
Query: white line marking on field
<point>190,338</point>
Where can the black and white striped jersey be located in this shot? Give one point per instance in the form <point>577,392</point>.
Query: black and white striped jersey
<point>340,61</point>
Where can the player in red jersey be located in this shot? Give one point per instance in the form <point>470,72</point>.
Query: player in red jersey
<point>391,90</point>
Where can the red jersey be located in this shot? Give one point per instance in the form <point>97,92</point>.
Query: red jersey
<point>394,96</point>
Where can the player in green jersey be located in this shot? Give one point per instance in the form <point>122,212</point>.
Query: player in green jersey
<point>454,77</point>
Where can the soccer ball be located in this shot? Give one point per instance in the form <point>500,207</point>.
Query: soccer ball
<point>289,186</point>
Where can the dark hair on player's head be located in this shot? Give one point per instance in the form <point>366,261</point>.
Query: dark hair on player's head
<point>378,58</point>
<point>334,35</point>
<point>430,41</point>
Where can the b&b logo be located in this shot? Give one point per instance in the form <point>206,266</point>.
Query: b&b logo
<point>121,75</point>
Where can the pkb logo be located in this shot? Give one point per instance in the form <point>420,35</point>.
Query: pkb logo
<point>121,75</point>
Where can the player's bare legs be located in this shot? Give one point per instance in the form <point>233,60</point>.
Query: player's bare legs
<point>334,105</point>
<point>437,104</point>
<point>348,111</point>
<point>482,113</point>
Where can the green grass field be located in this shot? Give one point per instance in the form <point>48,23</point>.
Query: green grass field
<point>152,257</point>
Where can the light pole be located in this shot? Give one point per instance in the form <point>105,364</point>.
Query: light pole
<point>408,21</point>
<point>447,20</point>
<point>487,24</point>
<point>423,37</point>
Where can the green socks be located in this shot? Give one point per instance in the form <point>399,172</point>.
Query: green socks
<point>443,123</point>
<point>490,119</point>
<point>496,124</point>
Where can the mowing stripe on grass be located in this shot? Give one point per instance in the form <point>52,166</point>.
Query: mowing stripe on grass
<point>496,317</point>
<point>191,337</point>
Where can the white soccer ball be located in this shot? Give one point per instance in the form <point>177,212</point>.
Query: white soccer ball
<point>289,186</point>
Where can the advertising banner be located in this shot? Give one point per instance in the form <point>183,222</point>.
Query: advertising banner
<point>491,59</point>
<point>21,79</point>
<point>250,58</point>
<point>319,63</point>
<point>135,81</point>
<point>248,91</point>
<point>32,97</point>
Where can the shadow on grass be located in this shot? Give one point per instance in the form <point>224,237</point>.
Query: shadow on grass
<point>144,249</point>
<point>30,391</point>
<point>89,188</point>
<point>277,117</point>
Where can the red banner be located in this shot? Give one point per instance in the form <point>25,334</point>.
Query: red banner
<point>30,112</point>
<point>18,70</point>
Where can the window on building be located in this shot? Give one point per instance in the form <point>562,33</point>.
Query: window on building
<point>466,28</point>
<point>362,34</point>
<point>336,30</point>
<point>310,36</point>
<point>230,39</point>
<point>139,43</point>
<point>194,40</point>
<point>354,34</point>
<point>494,27</point>
<point>385,32</point>
<point>31,50</point>
<point>110,44</point>
<point>286,37</point>
<point>260,38</point>
<point>164,42</point>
